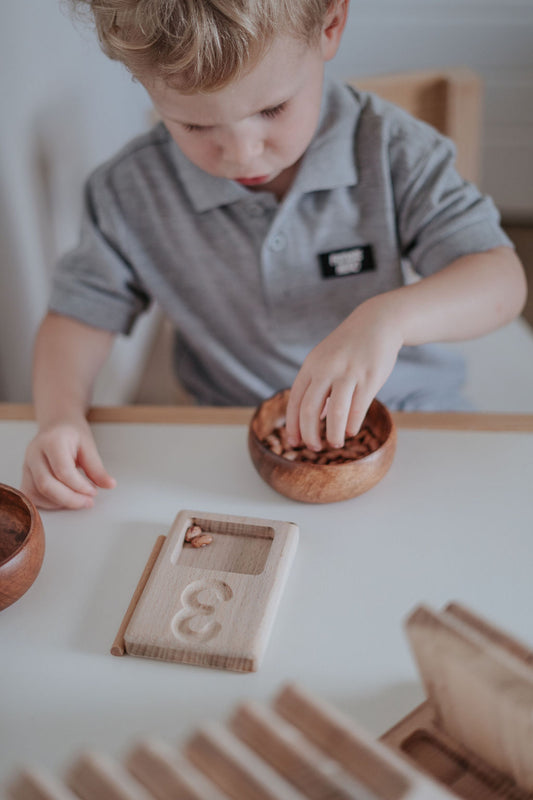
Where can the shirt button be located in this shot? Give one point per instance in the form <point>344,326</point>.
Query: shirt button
<point>255,210</point>
<point>278,243</point>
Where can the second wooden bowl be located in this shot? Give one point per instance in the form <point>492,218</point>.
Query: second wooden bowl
<point>21,544</point>
<point>319,483</point>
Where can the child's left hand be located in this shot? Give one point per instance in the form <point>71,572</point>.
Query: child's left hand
<point>341,375</point>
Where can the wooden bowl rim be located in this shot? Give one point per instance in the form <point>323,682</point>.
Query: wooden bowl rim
<point>292,465</point>
<point>27,503</point>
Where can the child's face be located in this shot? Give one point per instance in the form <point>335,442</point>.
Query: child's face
<point>256,129</point>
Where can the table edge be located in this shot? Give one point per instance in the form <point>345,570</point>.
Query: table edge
<point>231,415</point>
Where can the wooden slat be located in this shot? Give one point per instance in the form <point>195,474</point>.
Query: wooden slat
<point>235,768</point>
<point>118,647</point>
<point>491,632</point>
<point>167,775</point>
<point>36,784</point>
<point>286,749</point>
<point>96,776</point>
<point>372,764</point>
<point>208,415</point>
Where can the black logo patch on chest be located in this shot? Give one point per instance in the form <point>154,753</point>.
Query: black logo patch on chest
<point>347,261</point>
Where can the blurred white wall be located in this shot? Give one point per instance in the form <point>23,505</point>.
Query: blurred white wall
<point>65,108</point>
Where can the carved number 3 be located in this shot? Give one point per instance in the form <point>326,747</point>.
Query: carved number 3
<point>184,624</point>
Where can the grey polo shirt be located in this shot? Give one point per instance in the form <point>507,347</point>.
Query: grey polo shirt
<point>252,284</point>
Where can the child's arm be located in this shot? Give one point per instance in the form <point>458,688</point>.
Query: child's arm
<point>475,294</point>
<point>68,357</point>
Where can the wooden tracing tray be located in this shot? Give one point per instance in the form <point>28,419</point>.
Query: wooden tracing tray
<point>474,733</point>
<point>212,606</point>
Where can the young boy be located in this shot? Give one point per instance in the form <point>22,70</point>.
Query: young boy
<point>268,214</point>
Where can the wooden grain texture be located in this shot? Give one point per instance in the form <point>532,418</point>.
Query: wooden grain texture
<point>288,751</point>
<point>491,632</point>
<point>36,784</point>
<point>429,748</point>
<point>214,606</point>
<point>380,772</point>
<point>236,769</point>
<point>449,99</point>
<point>22,544</point>
<point>301,748</point>
<point>477,676</point>
<point>118,647</point>
<point>480,689</point>
<point>320,483</point>
<point>210,415</point>
<point>96,776</point>
<point>167,775</point>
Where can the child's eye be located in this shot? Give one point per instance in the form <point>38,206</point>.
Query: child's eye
<point>195,128</point>
<point>274,111</point>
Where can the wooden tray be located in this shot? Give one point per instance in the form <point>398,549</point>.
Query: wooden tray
<point>474,733</point>
<point>213,606</point>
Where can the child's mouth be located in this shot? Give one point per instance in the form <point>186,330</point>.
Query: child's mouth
<point>252,181</point>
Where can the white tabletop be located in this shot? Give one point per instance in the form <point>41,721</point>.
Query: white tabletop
<point>451,520</point>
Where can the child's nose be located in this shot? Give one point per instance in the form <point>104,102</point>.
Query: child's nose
<point>241,147</point>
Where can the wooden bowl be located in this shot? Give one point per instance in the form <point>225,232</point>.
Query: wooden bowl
<point>319,483</point>
<point>21,544</point>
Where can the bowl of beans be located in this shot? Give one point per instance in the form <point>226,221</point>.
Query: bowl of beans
<point>326,476</point>
<point>21,544</point>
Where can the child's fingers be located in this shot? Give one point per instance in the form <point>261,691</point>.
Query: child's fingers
<point>292,414</point>
<point>311,405</point>
<point>63,467</point>
<point>338,409</point>
<point>47,504</point>
<point>47,492</point>
<point>90,461</point>
<point>359,406</point>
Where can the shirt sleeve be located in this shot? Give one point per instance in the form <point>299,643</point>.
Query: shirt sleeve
<point>96,282</point>
<point>440,216</point>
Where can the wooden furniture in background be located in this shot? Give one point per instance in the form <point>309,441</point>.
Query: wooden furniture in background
<point>449,99</point>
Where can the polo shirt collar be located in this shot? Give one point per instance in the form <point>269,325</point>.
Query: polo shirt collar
<point>328,162</point>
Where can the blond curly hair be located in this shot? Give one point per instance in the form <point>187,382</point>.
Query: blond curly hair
<point>198,45</point>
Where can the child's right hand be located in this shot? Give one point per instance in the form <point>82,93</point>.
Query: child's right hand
<point>62,467</point>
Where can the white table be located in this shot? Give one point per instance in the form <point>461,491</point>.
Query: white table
<point>451,520</point>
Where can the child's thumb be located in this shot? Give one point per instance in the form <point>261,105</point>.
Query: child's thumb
<point>91,463</point>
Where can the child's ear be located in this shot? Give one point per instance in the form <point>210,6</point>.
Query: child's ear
<point>333,27</point>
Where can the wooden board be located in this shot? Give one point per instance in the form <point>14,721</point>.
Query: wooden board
<point>479,713</point>
<point>213,606</point>
<point>298,748</point>
<point>167,774</point>
<point>36,784</point>
<point>377,770</point>
<point>428,748</point>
